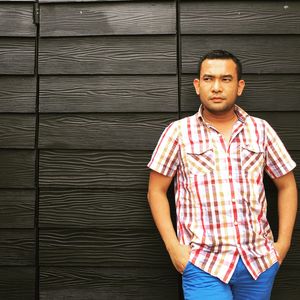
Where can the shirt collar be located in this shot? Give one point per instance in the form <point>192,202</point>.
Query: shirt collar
<point>241,114</point>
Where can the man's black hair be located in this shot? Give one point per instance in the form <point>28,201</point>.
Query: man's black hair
<point>221,54</point>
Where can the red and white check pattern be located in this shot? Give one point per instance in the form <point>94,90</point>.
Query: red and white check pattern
<point>219,192</point>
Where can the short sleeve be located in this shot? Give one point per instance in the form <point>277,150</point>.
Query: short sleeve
<point>164,159</point>
<point>278,160</point>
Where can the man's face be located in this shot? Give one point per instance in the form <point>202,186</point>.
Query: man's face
<point>218,85</point>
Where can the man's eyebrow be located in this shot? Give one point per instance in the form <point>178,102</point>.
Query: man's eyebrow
<point>221,76</point>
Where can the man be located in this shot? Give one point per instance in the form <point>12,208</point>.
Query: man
<point>225,247</point>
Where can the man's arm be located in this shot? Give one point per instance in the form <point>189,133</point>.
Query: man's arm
<point>287,210</point>
<point>160,208</point>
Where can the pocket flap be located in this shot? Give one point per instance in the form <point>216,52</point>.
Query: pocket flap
<point>198,148</point>
<point>254,147</point>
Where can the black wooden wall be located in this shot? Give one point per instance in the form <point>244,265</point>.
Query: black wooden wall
<point>86,88</point>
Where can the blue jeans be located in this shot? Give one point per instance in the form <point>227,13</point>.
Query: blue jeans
<point>199,285</point>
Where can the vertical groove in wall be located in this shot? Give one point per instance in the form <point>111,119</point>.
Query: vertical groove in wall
<point>178,57</point>
<point>178,39</point>
<point>36,147</point>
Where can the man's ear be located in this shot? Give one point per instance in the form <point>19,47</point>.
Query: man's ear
<point>241,87</point>
<point>196,86</point>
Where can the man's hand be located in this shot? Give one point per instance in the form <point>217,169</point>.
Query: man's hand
<point>180,255</point>
<point>282,250</point>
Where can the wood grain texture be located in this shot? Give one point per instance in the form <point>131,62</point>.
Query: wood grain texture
<point>108,94</point>
<point>99,247</point>
<point>18,94</point>
<point>93,169</point>
<point>102,131</point>
<point>74,1</point>
<point>286,283</point>
<point>17,131</point>
<point>95,208</point>
<point>17,283</point>
<point>16,20</point>
<point>258,53</point>
<point>17,247</point>
<point>262,93</point>
<point>108,55</point>
<point>79,283</point>
<point>17,168</point>
<point>23,0</point>
<point>292,258</point>
<point>240,17</point>
<point>17,208</point>
<point>17,56</point>
<point>118,18</point>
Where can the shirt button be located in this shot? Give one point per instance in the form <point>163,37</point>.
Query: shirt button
<point>235,223</point>
<point>233,200</point>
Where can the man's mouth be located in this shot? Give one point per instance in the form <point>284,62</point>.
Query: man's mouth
<point>217,99</point>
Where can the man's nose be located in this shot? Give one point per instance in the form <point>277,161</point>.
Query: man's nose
<point>216,86</point>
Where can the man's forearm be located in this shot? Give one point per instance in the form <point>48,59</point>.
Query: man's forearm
<point>287,211</point>
<point>160,209</point>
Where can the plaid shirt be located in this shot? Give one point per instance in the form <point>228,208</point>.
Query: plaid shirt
<point>220,199</point>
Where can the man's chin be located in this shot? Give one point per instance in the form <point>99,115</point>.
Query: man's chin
<point>219,107</point>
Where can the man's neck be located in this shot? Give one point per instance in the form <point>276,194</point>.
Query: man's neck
<point>225,118</point>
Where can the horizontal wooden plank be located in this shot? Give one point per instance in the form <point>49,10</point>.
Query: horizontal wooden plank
<point>22,0</point>
<point>67,208</point>
<point>108,55</point>
<point>18,94</point>
<point>73,1</point>
<point>102,131</point>
<point>93,169</point>
<point>17,56</point>
<point>100,169</point>
<point>262,93</point>
<point>116,247</point>
<point>16,20</point>
<point>80,1</point>
<point>17,208</point>
<point>99,247</point>
<point>17,168</point>
<point>17,247</point>
<point>17,131</point>
<point>286,285</point>
<point>118,18</point>
<point>261,54</point>
<point>17,283</point>
<point>79,283</point>
<point>240,17</point>
<point>108,94</point>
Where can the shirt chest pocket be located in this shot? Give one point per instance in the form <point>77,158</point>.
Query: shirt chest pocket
<point>252,158</point>
<point>200,159</point>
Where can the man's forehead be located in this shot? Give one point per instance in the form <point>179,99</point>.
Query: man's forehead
<point>219,66</point>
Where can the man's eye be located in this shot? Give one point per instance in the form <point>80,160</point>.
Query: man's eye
<point>226,79</point>
<point>207,78</point>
